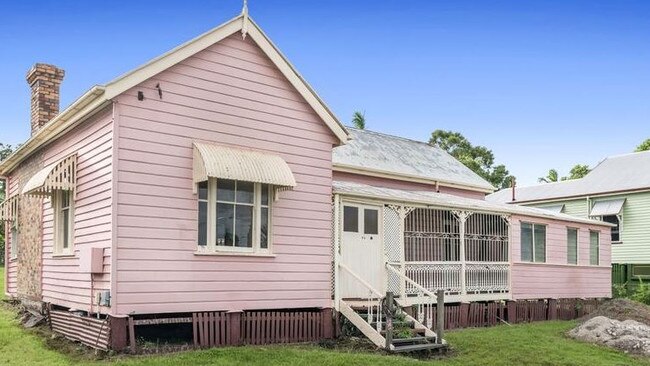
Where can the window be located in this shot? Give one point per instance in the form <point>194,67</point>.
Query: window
<point>351,219</point>
<point>15,232</point>
<point>616,231</point>
<point>234,216</point>
<point>594,248</point>
<point>15,240</point>
<point>63,206</point>
<point>370,221</point>
<point>533,242</point>
<point>572,246</point>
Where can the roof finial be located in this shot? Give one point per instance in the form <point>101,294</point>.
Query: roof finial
<point>244,13</point>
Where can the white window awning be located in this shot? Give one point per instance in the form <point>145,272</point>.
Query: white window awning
<point>60,175</point>
<point>217,161</point>
<point>605,208</point>
<point>554,208</point>
<point>9,208</point>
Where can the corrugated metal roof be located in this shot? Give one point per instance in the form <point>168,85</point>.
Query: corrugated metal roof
<point>609,207</point>
<point>217,161</point>
<point>378,152</point>
<point>450,201</point>
<point>614,174</point>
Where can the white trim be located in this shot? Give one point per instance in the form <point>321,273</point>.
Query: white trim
<point>495,208</point>
<point>101,95</point>
<point>211,248</point>
<point>182,52</point>
<point>235,254</point>
<point>55,202</point>
<point>84,107</point>
<point>533,224</point>
<point>577,230</point>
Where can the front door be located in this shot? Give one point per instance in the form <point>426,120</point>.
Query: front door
<point>361,249</point>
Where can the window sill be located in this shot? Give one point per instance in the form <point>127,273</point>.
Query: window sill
<point>236,254</point>
<point>619,242</point>
<point>63,255</point>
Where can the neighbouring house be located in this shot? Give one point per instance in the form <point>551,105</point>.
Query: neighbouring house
<point>212,190</point>
<point>617,191</point>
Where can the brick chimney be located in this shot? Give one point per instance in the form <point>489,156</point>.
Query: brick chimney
<point>44,80</point>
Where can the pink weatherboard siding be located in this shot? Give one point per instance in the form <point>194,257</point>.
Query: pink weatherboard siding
<point>556,278</point>
<point>229,94</point>
<point>62,283</point>
<point>404,185</point>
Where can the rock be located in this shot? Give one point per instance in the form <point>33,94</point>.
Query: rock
<point>629,335</point>
<point>33,320</point>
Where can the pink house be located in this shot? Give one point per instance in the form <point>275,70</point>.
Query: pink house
<point>201,189</point>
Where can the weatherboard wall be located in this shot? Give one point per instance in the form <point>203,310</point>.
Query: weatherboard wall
<point>634,246</point>
<point>60,280</point>
<point>229,94</point>
<point>63,282</point>
<point>555,278</point>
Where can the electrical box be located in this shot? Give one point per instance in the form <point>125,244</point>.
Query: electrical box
<point>104,298</point>
<point>91,260</point>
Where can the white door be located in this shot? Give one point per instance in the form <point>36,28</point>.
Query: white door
<point>362,250</point>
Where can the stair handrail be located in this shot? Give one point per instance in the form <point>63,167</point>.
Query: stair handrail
<point>425,309</point>
<point>373,314</point>
<point>363,282</point>
<point>410,281</point>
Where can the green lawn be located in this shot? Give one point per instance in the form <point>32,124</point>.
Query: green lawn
<point>530,344</point>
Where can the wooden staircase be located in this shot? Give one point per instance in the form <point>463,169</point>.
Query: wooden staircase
<point>408,335</point>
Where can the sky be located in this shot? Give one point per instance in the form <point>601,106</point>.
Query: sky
<point>545,84</point>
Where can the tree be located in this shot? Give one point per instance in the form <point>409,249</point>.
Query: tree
<point>644,146</point>
<point>550,177</point>
<point>5,150</point>
<point>578,171</point>
<point>359,120</point>
<point>478,158</point>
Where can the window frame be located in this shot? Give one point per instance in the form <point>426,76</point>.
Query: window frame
<point>15,239</point>
<point>577,231</point>
<point>619,227</point>
<point>533,225</point>
<point>56,203</point>
<point>591,233</point>
<point>211,246</point>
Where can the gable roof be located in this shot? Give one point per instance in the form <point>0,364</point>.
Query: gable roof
<point>373,153</point>
<point>100,95</point>
<point>620,173</point>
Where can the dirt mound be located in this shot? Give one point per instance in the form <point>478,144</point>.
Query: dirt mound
<point>622,309</point>
<point>628,336</point>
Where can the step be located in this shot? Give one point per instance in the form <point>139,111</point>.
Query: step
<point>418,347</point>
<point>396,323</point>
<point>415,331</point>
<point>414,340</point>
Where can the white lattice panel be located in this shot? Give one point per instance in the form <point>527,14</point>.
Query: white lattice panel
<point>434,276</point>
<point>487,277</point>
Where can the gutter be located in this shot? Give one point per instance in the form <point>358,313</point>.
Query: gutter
<point>485,210</point>
<point>71,116</point>
<point>581,196</point>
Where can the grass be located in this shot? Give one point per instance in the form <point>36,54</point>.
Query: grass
<point>531,344</point>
